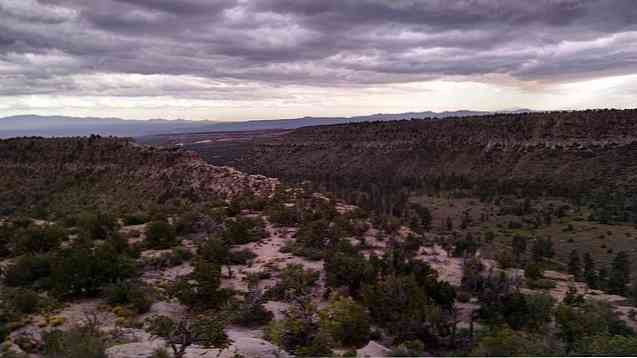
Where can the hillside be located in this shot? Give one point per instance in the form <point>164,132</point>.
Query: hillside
<point>119,250</point>
<point>64,175</point>
<point>562,153</point>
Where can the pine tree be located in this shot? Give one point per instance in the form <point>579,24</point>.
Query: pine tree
<point>574,265</point>
<point>590,275</point>
<point>619,274</point>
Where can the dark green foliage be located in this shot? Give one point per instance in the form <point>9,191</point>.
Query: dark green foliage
<point>28,270</point>
<point>96,226</point>
<point>201,290</point>
<point>519,245</point>
<point>282,215</point>
<point>83,272</point>
<point>574,265</point>
<point>135,219</point>
<point>346,322</point>
<point>206,332</point>
<point>299,333</point>
<point>243,231</point>
<point>534,271</point>
<point>505,342</point>
<point>420,217</point>
<point>542,249</point>
<point>467,246</point>
<point>346,267</point>
<point>37,240</point>
<point>579,324</point>
<point>79,342</point>
<point>594,279</point>
<point>132,293</point>
<point>619,276</point>
<point>251,312</point>
<point>294,281</point>
<point>160,235</point>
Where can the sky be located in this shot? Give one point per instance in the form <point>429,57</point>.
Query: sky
<point>267,59</point>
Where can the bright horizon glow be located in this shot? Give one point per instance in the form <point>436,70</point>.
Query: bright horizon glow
<point>438,96</point>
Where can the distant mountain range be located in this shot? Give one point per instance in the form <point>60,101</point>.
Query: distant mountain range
<point>60,126</point>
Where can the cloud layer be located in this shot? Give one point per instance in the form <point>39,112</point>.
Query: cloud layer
<point>268,50</point>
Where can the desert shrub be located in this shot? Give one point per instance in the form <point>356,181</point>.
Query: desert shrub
<point>201,290</point>
<point>79,342</point>
<point>282,215</point>
<point>215,251</point>
<point>161,353</point>
<point>578,325</point>
<point>240,257</point>
<point>28,270</point>
<point>346,267</point>
<point>206,332</point>
<point>132,293</point>
<point>160,235</point>
<point>346,322</point>
<point>243,230</point>
<point>533,271</point>
<point>411,348</point>
<point>25,301</point>
<point>541,284</point>
<point>37,240</point>
<point>96,226</point>
<point>294,281</point>
<point>176,257</point>
<point>507,342</point>
<point>540,311</point>
<point>299,333</point>
<point>187,223</point>
<point>135,219</point>
<point>82,272</point>
<point>250,312</point>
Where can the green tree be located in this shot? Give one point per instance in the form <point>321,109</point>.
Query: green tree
<point>346,321</point>
<point>161,235</point>
<point>590,274</point>
<point>619,274</point>
<point>574,265</point>
<point>519,244</point>
<point>207,332</point>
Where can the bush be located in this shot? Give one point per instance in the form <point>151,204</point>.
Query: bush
<point>534,272</point>
<point>243,231</point>
<point>251,312</point>
<point>282,215</point>
<point>135,219</point>
<point>346,321</point>
<point>412,348</point>
<point>25,301</point>
<point>79,342</point>
<point>28,270</point>
<point>299,333</point>
<point>82,272</point>
<point>202,290</point>
<point>131,293</point>
<point>37,240</point>
<point>294,281</point>
<point>160,235</point>
<point>240,257</point>
<point>97,226</point>
<point>541,284</point>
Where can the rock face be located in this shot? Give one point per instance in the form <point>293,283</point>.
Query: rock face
<point>110,172</point>
<point>244,343</point>
<point>564,151</point>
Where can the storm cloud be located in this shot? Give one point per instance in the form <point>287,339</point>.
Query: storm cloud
<point>251,49</point>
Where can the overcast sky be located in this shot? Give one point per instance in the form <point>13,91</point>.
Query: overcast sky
<point>260,59</point>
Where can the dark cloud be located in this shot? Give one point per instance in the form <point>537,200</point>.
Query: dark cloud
<point>46,44</point>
